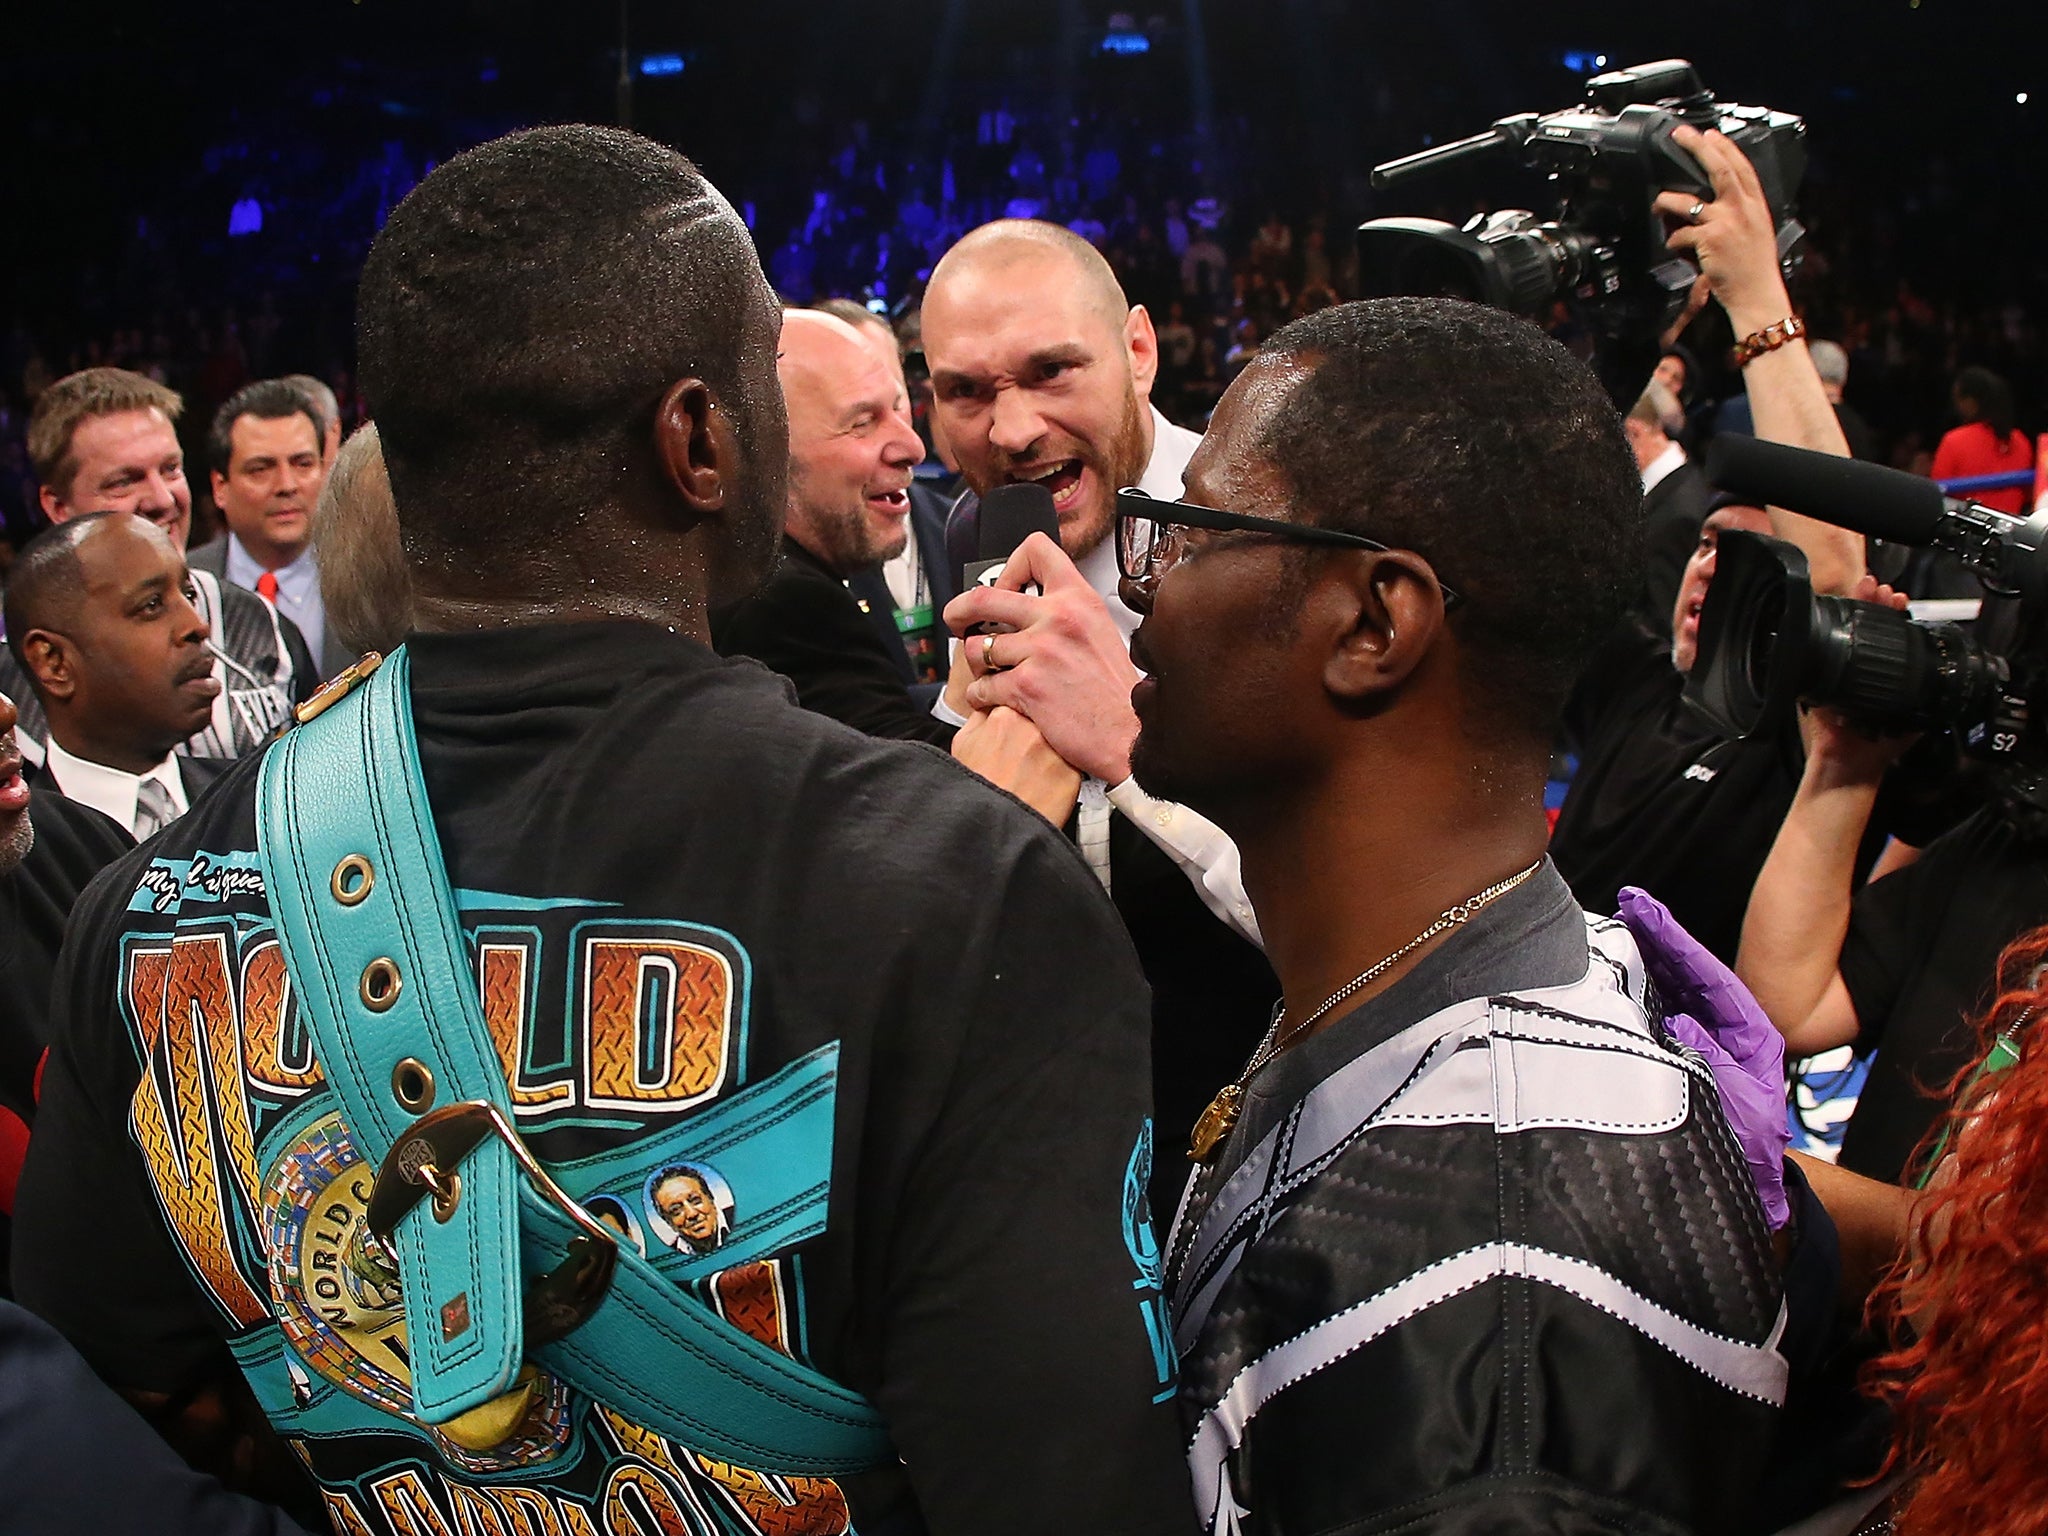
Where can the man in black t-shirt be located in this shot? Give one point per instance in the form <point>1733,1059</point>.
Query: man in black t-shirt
<point>1661,799</point>
<point>697,916</point>
<point>1904,965</point>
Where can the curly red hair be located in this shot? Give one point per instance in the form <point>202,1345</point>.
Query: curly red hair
<point>1970,1391</point>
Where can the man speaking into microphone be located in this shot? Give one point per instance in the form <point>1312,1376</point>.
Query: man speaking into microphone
<point>1042,375</point>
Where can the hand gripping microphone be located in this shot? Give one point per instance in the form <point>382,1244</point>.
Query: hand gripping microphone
<point>2009,553</point>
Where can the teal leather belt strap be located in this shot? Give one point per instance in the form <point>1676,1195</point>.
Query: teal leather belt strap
<point>388,990</point>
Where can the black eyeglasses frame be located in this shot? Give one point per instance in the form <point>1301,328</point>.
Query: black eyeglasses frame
<point>1134,505</point>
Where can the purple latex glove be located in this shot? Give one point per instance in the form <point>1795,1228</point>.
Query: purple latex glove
<point>1712,1012</point>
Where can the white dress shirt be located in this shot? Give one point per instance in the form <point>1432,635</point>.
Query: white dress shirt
<point>298,590</point>
<point>1659,468</point>
<point>1202,850</point>
<point>108,790</point>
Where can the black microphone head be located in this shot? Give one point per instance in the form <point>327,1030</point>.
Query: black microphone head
<point>1010,514</point>
<point>1868,498</point>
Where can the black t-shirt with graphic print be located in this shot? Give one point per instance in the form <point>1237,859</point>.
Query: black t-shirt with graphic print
<point>700,921</point>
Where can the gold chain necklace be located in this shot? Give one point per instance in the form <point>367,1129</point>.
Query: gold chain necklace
<point>1217,1121</point>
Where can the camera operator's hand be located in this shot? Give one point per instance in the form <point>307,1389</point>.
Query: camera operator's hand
<point>1735,241</point>
<point>1733,238</point>
<point>1066,666</point>
<point>1009,751</point>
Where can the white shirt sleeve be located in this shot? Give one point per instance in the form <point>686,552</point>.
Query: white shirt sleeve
<point>1204,852</point>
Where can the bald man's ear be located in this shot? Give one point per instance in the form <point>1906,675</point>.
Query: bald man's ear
<point>1385,616</point>
<point>696,445</point>
<point>49,661</point>
<point>1141,345</point>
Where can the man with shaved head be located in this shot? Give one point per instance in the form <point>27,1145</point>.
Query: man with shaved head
<point>915,586</point>
<point>101,624</point>
<point>1042,371</point>
<point>104,440</point>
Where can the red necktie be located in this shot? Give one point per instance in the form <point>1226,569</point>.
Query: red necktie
<point>266,587</point>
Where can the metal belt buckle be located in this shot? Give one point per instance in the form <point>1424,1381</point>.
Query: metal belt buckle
<point>426,1160</point>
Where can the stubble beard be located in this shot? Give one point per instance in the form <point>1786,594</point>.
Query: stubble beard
<point>1122,463</point>
<point>848,540</point>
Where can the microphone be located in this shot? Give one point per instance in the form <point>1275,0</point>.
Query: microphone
<point>1865,498</point>
<point>1009,515</point>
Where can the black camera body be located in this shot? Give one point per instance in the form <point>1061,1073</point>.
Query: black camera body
<point>1768,641</point>
<point>1602,249</point>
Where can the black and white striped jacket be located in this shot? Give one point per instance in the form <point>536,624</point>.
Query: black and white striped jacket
<point>1497,1269</point>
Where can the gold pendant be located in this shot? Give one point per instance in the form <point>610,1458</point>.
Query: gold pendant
<point>1215,1125</point>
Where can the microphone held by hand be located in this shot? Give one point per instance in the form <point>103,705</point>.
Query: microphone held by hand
<point>1010,514</point>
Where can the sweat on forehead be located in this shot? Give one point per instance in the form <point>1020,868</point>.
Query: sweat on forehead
<point>1011,247</point>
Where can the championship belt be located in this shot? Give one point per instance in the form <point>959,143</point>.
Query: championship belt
<point>498,1267</point>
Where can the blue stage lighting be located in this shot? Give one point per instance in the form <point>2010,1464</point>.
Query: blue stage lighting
<point>661,64</point>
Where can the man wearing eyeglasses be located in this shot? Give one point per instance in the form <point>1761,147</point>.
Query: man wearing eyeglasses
<point>1469,1246</point>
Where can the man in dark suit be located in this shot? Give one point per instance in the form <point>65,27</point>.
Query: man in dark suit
<point>50,848</point>
<point>1675,498</point>
<point>906,606</point>
<point>906,593</point>
<point>851,451</point>
<point>266,455</point>
<point>100,618</point>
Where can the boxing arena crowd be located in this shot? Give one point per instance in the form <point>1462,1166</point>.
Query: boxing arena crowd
<point>996,861</point>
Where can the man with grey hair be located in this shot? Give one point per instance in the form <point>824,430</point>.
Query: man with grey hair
<point>329,407</point>
<point>1832,364</point>
<point>1674,496</point>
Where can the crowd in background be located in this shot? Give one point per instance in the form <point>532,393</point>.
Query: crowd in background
<point>1220,253</point>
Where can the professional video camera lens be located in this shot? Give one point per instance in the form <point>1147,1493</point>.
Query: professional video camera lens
<point>1887,668</point>
<point>1508,260</point>
<point>1766,641</point>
